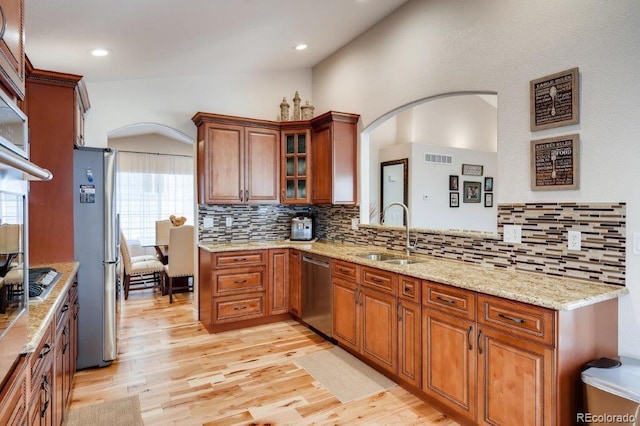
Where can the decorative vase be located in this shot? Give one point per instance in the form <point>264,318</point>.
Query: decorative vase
<point>296,107</point>
<point>284,110</point>
<point>307,111</point>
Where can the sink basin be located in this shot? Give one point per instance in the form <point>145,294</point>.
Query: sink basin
<point>378,256</point>
<point>402,261</point>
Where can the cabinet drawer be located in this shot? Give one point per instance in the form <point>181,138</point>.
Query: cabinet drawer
<point>380,280</point>
<point>409,288</point>
<point>345,270</point>
<point>238,308</point>
<point>531,322</point>
<point>239,258</point>
<point>237,281</point>
<point>452,300</point>
<point>42,357</point>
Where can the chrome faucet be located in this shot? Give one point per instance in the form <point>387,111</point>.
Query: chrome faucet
<point>408,247</point>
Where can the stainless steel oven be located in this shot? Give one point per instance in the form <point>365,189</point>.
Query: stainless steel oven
<point>15,172</point>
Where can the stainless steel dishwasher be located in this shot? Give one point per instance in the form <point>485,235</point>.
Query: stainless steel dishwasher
<point>316,292</point>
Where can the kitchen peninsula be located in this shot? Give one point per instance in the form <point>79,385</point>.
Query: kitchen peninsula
<point>460,335</point>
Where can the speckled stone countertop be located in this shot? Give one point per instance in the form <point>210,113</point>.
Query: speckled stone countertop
<point>557,293</point>
<point>41,313</point>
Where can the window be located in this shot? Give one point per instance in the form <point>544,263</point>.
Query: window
<point>152,187</point>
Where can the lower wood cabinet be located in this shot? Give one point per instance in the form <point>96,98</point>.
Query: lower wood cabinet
<point>13,396</point>
<point>41,386</point>
<point>295,284</point>
<point>364,319</point>
<point>242,288</point>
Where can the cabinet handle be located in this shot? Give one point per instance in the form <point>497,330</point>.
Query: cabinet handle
<point>344,271</point>
<point>514,319</point>
<point>240,194</point>
<point>45,350</point>
<point>479,341</point>
<point>284,196</point>
<point>246,195</point>
<point>469,337</point>
<point>65,308</point>
<point>240,281</point>
<point>4,23</point>
<point>399,314</point>
<point>239,308</point>
<point>239,259</point>
<point>376,280</point>
<point>446,299</point>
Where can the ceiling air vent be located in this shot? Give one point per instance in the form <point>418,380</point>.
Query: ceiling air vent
<point>437,158</point>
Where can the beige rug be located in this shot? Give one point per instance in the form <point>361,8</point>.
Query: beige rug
<point>123,411</point>
<point>344,375</point>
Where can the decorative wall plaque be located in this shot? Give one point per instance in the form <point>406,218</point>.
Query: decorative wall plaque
<point>472,169</point>
<point>554,163</point>
<point>554,100</point>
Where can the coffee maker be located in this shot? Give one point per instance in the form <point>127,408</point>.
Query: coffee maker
<point>302,228</point>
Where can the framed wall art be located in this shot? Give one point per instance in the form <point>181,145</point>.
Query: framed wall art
<point>472,169</point>
<point>554,100</point>
<point>488,199</point>
<point>454,199</point>
<point>453,183</point>
<point>555,163</point>
<point>472,192</point>
<point>488,184</point>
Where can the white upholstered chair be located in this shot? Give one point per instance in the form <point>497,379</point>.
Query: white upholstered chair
<point>181,257</point>
<point>162,232</point>
<point>140,272</point>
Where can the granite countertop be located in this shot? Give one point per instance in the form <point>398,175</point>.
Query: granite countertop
<point>41,313</point>
<point>562,294</point>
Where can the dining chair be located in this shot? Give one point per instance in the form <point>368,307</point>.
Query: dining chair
<point>181,257</point>
<point>162,232</point>
<point>139,270</point>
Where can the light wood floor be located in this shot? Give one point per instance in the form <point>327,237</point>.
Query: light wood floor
<point>185,376</point>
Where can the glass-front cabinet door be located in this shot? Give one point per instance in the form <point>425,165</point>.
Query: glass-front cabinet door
<point>295,167</point>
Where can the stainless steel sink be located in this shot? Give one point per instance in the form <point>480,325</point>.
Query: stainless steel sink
<point>402,261</point>
<point>378,256</point>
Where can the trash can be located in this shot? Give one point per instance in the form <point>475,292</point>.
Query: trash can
<point>612,393</point>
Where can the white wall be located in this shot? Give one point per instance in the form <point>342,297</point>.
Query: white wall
<point>152,143</point>
<point>174,101</point>
<point>430,47</point>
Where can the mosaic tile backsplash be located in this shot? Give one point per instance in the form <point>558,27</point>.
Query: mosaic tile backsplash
<point>543,248</point>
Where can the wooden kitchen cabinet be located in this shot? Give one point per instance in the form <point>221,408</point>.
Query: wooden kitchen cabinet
<point>12,59</point>
<point>41,387</point>
<point>409,330</point>
<point>238,160</point>
<point>296,167</point>
<point>295,284</point>
<point>13,396</point>
<point>50,106</point>
<point>334,154</point>
<point>364,317</point>
<point>278,295</point>
<point>63,372</point>
<point>242,288</point>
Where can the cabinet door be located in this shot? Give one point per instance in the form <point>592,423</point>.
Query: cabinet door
<point>322,181</point>
<point>346,326</point>
<point>296,169</point>
<point>295,289</point>
<point>278,294</point>
<point>223,164</point>
<point>379,328</point>
<point>12,47</point>
<point>515,380</point>
<point>262,179</point>
<point>449,361</point>
<point>409,326</point>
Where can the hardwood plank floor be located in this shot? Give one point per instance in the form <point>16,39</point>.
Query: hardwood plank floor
<point>185,376</point>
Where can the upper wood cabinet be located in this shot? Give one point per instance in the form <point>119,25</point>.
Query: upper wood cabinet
<point>334,147</point>
<point>238,160</point>
<point>12,65</point>
<point>242,160</point>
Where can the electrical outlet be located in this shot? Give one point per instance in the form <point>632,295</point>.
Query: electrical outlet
<point>354,223</point>
<point>512,234</point>
<point>228,221</point>
<point>207,222</point>
<point>574,240</point>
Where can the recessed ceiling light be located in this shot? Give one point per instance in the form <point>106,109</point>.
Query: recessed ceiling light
<point>100,52</point>
<point>300,46</point>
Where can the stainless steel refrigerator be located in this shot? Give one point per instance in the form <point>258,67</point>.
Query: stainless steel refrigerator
<point>96,242</point>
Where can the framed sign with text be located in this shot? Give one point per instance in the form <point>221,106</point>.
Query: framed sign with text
<point>472,169</point>
<point>555,163</point>
<point>554,100</point>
